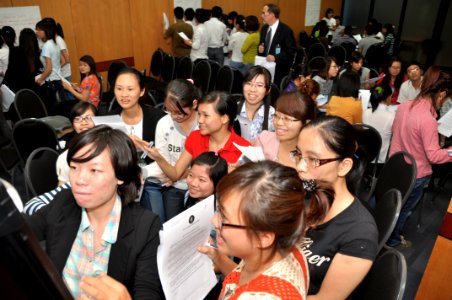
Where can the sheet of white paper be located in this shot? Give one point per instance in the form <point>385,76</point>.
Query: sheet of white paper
<point>364,95</point>
<point>165,21</point>
<point>114,121</point>
<point>252,153</point>
<point>445,124</point>
<point>375,79</point>
<point>312,15</point>
<point>269,65</point>
<point>184,272</point>
<point>183,35</point>
<point>357,37</point>
<point>7,97</point>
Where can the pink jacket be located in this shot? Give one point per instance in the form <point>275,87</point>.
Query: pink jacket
<point>415,130</point>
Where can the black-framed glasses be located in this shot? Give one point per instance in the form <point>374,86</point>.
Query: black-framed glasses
<point>80,119</point>
<point>311,162</point>
<point>222,224</point>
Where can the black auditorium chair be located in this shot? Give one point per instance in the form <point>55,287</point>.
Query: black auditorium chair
<point>184,68</point>
<point>41,161</point>
<point>168,68</point>
<point>225,79</point>
<point>155,68</point>
<point>316,50</point>
<point>202,74</point>
<point>339,53</point>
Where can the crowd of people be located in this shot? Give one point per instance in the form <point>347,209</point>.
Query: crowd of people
<point>288,227</point>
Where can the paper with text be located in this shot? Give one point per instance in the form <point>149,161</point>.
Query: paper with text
<point>445,124</point>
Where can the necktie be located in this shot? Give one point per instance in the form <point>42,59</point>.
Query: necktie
<point>268,40</point>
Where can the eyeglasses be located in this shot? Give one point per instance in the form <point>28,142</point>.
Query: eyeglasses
<point>80,119</point>
<point>311,162</point>
<point>175,113</point>
<point>287,120</point>
<point>221,224</point>
<point>258,85</point>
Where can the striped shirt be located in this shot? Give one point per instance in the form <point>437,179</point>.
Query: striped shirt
<point>83,260</point>
<point>40,201</point>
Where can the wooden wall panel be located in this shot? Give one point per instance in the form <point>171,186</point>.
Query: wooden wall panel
<point>6,3</point>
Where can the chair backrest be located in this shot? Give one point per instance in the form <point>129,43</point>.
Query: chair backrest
<point>316,50</point>
<point>369,139</point>
<point>113,71</point>
<point>349,48</point>
<point>168,68</point>
<point>373,73</point>
<point>284,82</point>
<point>274,94</point>
<point>386,213</point>
<point>386,279</point>
<point>41,161</point>
<point>300,57</point>
<point>237,84</point>
<point>398,172</point>
<point>202,74</point>
<point>317,64</point>
<point>28,105</point>
<point>339,53</point>
<point>375,56</point>
<point>156,63</point>
<point>184,68</point>
<point>31,134</point>
<point>225,79</point>
<point>215,68</point>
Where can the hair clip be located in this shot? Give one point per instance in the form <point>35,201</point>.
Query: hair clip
<point>379,89</point>
<point>191,81</point>
<point>356,155</point>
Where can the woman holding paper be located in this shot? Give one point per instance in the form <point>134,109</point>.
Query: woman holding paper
<point>216,114</point>
<point>89,89</point>
<point>345,103</point>
<point>415,130</point>
<point>293,111</point>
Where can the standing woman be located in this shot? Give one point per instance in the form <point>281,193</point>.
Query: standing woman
<point>293,111</point>
<point>50,59</point>
<point>254,111</point>
<point>415,130</point>
<point>7,39</point>
<point>236,41</point>
<point>140,119</point>
<point>346,103</point>
<point>181,101</point>
<point>65,71</point>
<point>394,77</point>
<point>216,114</point>
<point>89,89</point>
<point>249,47</point>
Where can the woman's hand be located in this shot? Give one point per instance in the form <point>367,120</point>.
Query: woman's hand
<point>154,153</point>
<point>141,145</point>
<point>67,85</point>
<point>103,287</point>
<point>188,42</point>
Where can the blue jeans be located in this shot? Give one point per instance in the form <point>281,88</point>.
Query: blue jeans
<point>164,201</point>
<point>238,65</point>
<point>410,203</point>
<point>216,54</point>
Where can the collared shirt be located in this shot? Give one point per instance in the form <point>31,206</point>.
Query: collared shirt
<point>408,91</point>
<point>216,31</point>
<point>83,260</point>
<point>250,129</point>
<point>197,143</point>
<point>200,43</point>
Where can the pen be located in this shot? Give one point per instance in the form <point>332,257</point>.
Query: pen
<point>145,153</point>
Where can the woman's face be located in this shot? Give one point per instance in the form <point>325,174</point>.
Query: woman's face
<point>255,90</point>
<point>84,121</point>
<point>395,68</point>
<point>209,120</point>
<point>287,128</point>
<point>127,90</point>
<point>356,66</point>
<point>311,146</point>
<point>175,113</point>
<point>94,182</point>
<point>84,67</point>
<point>40,34</point>
<point>333,70</point>
<point>232,241</point>
<point>199,183</point>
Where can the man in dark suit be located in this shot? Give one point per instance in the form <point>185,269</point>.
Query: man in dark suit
<point>277,42</point>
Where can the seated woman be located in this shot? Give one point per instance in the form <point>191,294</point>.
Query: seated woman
<point>326,78</point>
<point>260,219</point>
<point>81,119</point>
<point>341,239</point>
<point>216,114</point>
<point>205,172</point>
<point>89,89</point>
<point>163,198</point>
<point>380,117</point>
<point>254,110</point>
<point>356,65</point>
<point>310,88</point>
<point>293,111</point>
<point>345,103</point>
<point>394,77</point>
<point>97,227</point>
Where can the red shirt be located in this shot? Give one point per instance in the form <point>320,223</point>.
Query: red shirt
<point>197,143</point>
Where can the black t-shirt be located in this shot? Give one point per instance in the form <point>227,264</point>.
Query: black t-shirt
<point>352,232</point>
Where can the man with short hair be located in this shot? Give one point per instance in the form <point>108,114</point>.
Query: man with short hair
<point>216,31</point>
<point>189,14</point>
<point>177,42</point>
<point>369,40</point>
<point>277,42</point>
<point>412,87</point>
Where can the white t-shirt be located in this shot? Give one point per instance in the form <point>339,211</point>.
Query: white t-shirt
<point>216,32</point>
<point>4,60</point>
<point>170,142</point>
<point>235,45</point>
<point>66,69</point>
<point>200,43</point>
<point>52,51</point>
